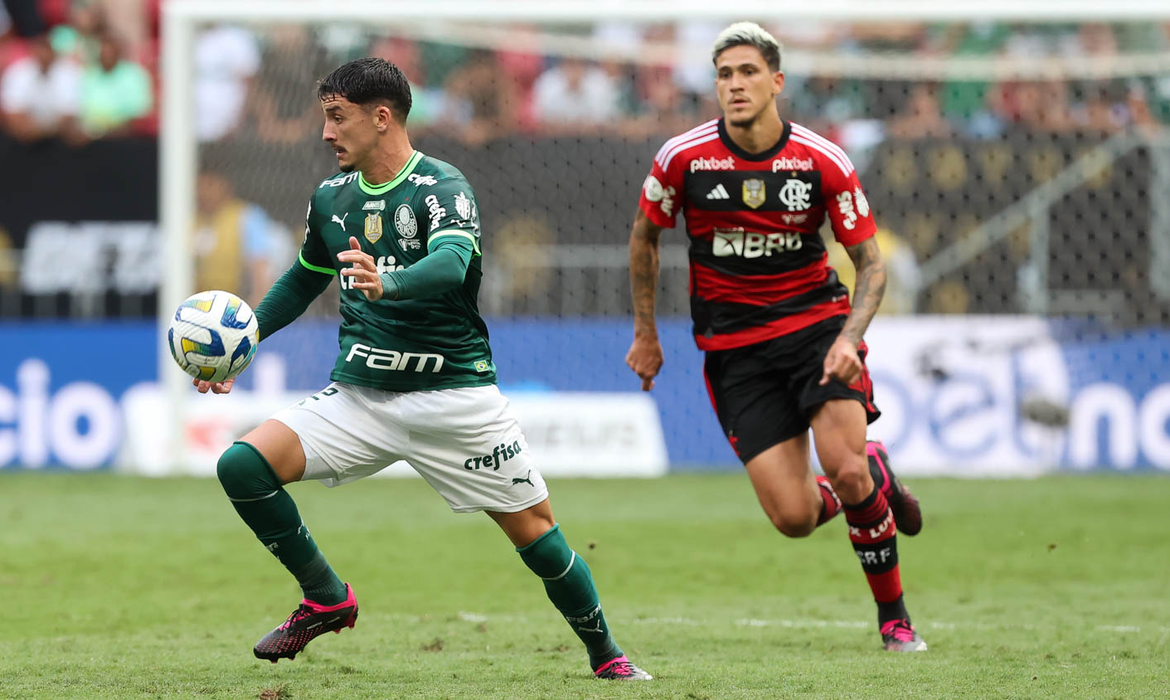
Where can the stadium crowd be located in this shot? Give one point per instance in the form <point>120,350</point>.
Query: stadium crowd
<point>85,69</point>
<point>73,72</point>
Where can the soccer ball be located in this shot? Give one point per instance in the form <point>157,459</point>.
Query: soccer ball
<point>213,336</point>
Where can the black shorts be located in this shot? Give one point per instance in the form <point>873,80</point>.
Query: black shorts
<point>765,393</point>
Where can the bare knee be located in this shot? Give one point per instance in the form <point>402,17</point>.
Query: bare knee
<point>280,447</point>
<point>794,524</point>
<point>525,526</point>
<point>852,481</point>
<point>839,430</point>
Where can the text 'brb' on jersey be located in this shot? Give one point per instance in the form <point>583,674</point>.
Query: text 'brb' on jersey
<point>758,265</point>
<point>413,345</point>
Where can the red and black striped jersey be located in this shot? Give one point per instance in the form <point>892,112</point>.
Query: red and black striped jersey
<point>758,263</point>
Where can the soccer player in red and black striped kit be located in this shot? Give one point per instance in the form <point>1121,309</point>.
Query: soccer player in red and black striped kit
<point>784,348</point>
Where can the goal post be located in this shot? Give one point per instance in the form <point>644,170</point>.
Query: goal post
<point>557,232</point>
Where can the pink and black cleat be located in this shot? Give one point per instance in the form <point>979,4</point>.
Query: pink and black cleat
<point>899,635</point>
<point>304,625</point>
<point>907,513</point>
<point>621,669</point>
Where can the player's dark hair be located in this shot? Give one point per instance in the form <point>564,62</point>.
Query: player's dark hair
<point>369,80</point>
<point>749,34</point>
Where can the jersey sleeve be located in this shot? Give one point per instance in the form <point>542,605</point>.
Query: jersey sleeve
<point>662,192</point>
<point>314,254</point>
<point>441,270</point>
<point>847,206</point>
<point>449,210</point>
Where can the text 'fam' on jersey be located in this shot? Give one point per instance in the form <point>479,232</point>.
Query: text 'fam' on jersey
<point>438,342</point>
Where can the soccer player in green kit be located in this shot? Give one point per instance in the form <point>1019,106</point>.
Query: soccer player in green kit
<point>414,380</point>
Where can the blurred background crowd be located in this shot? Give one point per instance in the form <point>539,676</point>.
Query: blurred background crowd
<point>944,126</point>
<point>79,71</point>
<point>85,69</point>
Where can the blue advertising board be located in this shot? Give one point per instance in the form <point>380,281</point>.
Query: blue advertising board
<point>952,389</point>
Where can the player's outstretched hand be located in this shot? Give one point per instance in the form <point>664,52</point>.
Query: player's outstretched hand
<point>645,358</point>
<point>216,387</point>
<point>364,272</point>
<point>842,362</point>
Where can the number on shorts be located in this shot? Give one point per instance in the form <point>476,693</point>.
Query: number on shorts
<point>330,391</point>
<point>327,392</point>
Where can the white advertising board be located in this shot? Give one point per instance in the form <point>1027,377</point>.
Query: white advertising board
<point>570,433</point>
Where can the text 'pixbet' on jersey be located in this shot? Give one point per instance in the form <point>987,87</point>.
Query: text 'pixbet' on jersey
<point>394,361</point>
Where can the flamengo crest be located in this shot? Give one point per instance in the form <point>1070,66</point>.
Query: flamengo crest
<point>796,194</point>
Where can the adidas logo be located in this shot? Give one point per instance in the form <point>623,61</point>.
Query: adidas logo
<point>718,193</point>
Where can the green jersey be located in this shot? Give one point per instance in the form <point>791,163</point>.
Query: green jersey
<point>438,342</point>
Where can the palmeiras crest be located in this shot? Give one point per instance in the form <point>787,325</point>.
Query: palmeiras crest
<point>405,222</point>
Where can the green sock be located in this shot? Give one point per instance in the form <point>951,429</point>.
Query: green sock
<point>569,585</point>
<point>260,499</point>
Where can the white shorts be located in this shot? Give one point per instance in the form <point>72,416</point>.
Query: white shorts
<point>465,442</point>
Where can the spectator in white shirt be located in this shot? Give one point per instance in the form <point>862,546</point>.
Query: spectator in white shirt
<point>226,60</point>
<point>574,94</point>
<point>39,94</point>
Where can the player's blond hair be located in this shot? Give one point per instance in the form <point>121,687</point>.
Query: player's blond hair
<point>749,34</point>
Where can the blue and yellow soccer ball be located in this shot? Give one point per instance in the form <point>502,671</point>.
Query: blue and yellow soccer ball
<point>213,336</point>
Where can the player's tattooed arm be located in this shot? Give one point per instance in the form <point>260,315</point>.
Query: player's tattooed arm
<point>644,272</point>
<point>868,291</point>
<point>842,362</point>
<point>645,355</point>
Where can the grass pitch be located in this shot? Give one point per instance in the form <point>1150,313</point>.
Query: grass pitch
<point>118,587</point>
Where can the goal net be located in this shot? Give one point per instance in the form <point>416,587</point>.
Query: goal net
<point>1017,167</point>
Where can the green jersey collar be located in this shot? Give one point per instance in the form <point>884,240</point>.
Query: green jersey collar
<point>387,186</point>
